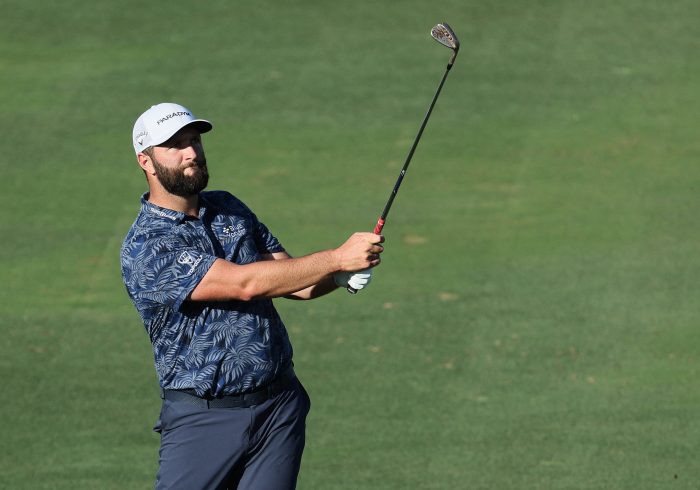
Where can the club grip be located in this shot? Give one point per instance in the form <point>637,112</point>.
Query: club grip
<point>379,226</point>
<point>377,230</point>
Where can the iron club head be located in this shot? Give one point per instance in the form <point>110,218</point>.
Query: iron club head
<point>444,34</point>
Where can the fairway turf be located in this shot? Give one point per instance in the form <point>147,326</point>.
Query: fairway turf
<point>534,323</point>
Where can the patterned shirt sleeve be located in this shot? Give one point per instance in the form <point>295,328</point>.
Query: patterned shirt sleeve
<point>165,270</point>
<point>265,241</point>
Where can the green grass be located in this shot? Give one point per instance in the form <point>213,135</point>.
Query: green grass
<point>534,322</point>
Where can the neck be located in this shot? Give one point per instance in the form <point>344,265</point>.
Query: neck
<point>188,204</point>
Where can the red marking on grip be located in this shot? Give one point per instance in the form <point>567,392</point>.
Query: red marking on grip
<point>379,226</point>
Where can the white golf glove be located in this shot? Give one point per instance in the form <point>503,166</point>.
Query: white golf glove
<point>356,280</point>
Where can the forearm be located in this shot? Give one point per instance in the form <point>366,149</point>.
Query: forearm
<point>323,287</point>
<point>264,279</point>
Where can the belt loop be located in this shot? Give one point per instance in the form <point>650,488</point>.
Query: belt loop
<point>206,400</point>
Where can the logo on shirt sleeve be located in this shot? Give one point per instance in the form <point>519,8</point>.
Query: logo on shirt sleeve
<point>186,258</point>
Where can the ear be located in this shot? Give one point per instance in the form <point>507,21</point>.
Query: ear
<point>145,163</point>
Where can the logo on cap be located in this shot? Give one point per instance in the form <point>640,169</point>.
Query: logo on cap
<point>174,114</point>
<point>139,137</point>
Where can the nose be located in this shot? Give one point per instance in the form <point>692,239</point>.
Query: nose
<point>190,152</point>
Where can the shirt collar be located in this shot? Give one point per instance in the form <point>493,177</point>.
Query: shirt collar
<point>171,214</point>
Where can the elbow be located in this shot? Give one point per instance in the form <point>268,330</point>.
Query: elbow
<point>252,290</point>
<point>247,294</point>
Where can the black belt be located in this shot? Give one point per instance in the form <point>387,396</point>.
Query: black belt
<point>243,400</point>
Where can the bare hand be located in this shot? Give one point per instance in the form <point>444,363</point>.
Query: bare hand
<point>360,251</point>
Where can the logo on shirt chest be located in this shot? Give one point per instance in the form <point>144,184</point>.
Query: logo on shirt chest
<point>234,231</point>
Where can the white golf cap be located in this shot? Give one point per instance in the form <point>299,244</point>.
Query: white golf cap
<point>161,121</point>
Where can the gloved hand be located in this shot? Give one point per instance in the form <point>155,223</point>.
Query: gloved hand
<point>356,280</point>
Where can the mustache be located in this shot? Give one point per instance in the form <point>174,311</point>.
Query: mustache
<point>200,162</point>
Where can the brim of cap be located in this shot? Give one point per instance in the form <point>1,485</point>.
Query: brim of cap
<point>201,125</point>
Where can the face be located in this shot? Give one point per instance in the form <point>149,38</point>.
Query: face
<point>180,164</point>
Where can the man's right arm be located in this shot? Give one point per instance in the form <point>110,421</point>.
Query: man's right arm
<point>273,278</point>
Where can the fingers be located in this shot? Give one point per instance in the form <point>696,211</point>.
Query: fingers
<point>356,280</point>
<point>362,250</point>
<point>374,249</point>
<point>370,237</point>
<point>360,279</point>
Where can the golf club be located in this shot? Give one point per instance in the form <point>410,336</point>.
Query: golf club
<point>443,34</point>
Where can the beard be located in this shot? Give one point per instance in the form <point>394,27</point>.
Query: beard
<point>176,182</point>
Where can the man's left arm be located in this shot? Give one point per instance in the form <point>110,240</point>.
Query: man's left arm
<point>321,288</point>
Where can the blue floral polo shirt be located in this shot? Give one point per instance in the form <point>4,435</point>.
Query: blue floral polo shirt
<point>214,348</point>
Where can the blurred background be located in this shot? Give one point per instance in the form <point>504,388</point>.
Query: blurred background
<point>534,323</point>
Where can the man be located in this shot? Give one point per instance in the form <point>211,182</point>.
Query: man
<point>202,270</point>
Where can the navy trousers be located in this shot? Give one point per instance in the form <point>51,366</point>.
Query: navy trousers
<point>255,448</point>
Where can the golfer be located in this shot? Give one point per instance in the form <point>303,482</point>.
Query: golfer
<point>202,270</point>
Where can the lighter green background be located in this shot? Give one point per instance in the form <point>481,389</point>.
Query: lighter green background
<point>534,324</point>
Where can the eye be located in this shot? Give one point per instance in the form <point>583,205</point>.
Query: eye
<point>179,144</point>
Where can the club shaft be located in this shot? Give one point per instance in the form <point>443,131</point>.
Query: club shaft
<point>382,219</point>
<point>395,190</point>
